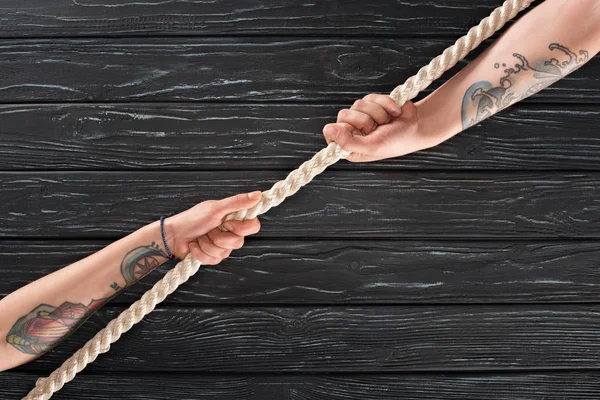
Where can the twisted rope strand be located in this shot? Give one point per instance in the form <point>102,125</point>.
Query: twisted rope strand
<point>100,343</point>
<point>453,54</point>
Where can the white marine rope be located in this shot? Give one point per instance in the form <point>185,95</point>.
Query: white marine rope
<point>100,343</point>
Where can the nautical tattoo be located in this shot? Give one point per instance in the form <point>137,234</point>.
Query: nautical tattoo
<point>483,99</point>
<point>45,326</point>
<point>140,261</point>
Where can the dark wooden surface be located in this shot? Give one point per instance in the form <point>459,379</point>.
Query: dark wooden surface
<point>273,136</point>
<point>240,17</point>
<point>467,271</point>
<point>430,386</point>
<point>209,69</point>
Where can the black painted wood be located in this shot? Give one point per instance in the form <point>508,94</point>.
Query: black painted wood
<point>346,339</point>
<point>274,136</point>
<point>352,272</point>
<point>234,69</point>
<point>454,274</point>
<point>340,204</point>
<point>242,17</point>
<point>163,386</point>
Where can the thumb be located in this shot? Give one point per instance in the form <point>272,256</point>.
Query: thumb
<point>341,133</point>
<point>238,202</point>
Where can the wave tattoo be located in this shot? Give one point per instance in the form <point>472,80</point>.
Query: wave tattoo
<point>483,99</point>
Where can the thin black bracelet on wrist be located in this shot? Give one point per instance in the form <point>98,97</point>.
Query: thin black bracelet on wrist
<point>162,234</point>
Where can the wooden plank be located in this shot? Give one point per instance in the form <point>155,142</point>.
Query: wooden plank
<point>266,136</point>
<point>347,339</point>
<point>164,386</point>
<point>340,204</point>
<point>351,272</point>
<point>233,69</point>
<point>242,17</point>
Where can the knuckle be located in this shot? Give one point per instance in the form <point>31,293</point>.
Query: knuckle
<point>366,120</point>
<point>358,103</point>
<point>197,253</point>
<point>239,243</point>
<point>208,261</point>
<point>240,197</point>
<point>203,245</point>
<point>219,240</point>
<point>343,113</point>
<point>211,206</point>
<point>215,235</point>
<point>370,97</point>
<point>223,253</point>
<point>246,231</point>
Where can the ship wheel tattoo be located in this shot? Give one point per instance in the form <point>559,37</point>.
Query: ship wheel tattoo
<point>141,261</point>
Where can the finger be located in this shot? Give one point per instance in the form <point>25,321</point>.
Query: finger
<point>226,240</point>
<point>357,119</point>
<point>242,228</point>
<point>212,249</point>
<point>386,102</point>
<point>359,158</point>
<point>374,110</point>
<point>204,258</point>
<point>235,203</point>
<point>343,136</point>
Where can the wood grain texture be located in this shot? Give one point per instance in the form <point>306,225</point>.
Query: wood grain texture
<point>234,69</point>
<point>163,386</point>
<point>351,272</point>
<point>241,17</point>
<point>269,136</point>
<point>467,271</point>
<point>339,204</point>
<point>346,339</point>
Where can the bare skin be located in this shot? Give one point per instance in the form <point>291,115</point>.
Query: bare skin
<point>38,316</point>
<point>545,45</point>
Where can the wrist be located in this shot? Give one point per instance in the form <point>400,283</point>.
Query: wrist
<point>168,236</point>
<point>434,125</point>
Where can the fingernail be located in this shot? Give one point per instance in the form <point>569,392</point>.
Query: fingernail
<point>228,226</point>
<point>255,195</point>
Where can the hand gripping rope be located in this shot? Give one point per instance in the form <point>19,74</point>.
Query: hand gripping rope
<point>100,343</point>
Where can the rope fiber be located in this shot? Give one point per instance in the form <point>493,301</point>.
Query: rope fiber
<point>100,343</point>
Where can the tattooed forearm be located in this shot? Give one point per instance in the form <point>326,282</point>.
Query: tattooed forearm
<point>140,261</point>
<point>483,99</point>
<point>45,326</point>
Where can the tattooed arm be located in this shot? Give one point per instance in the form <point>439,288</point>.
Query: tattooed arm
<point>546,44</point>
<point>38,316</point>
